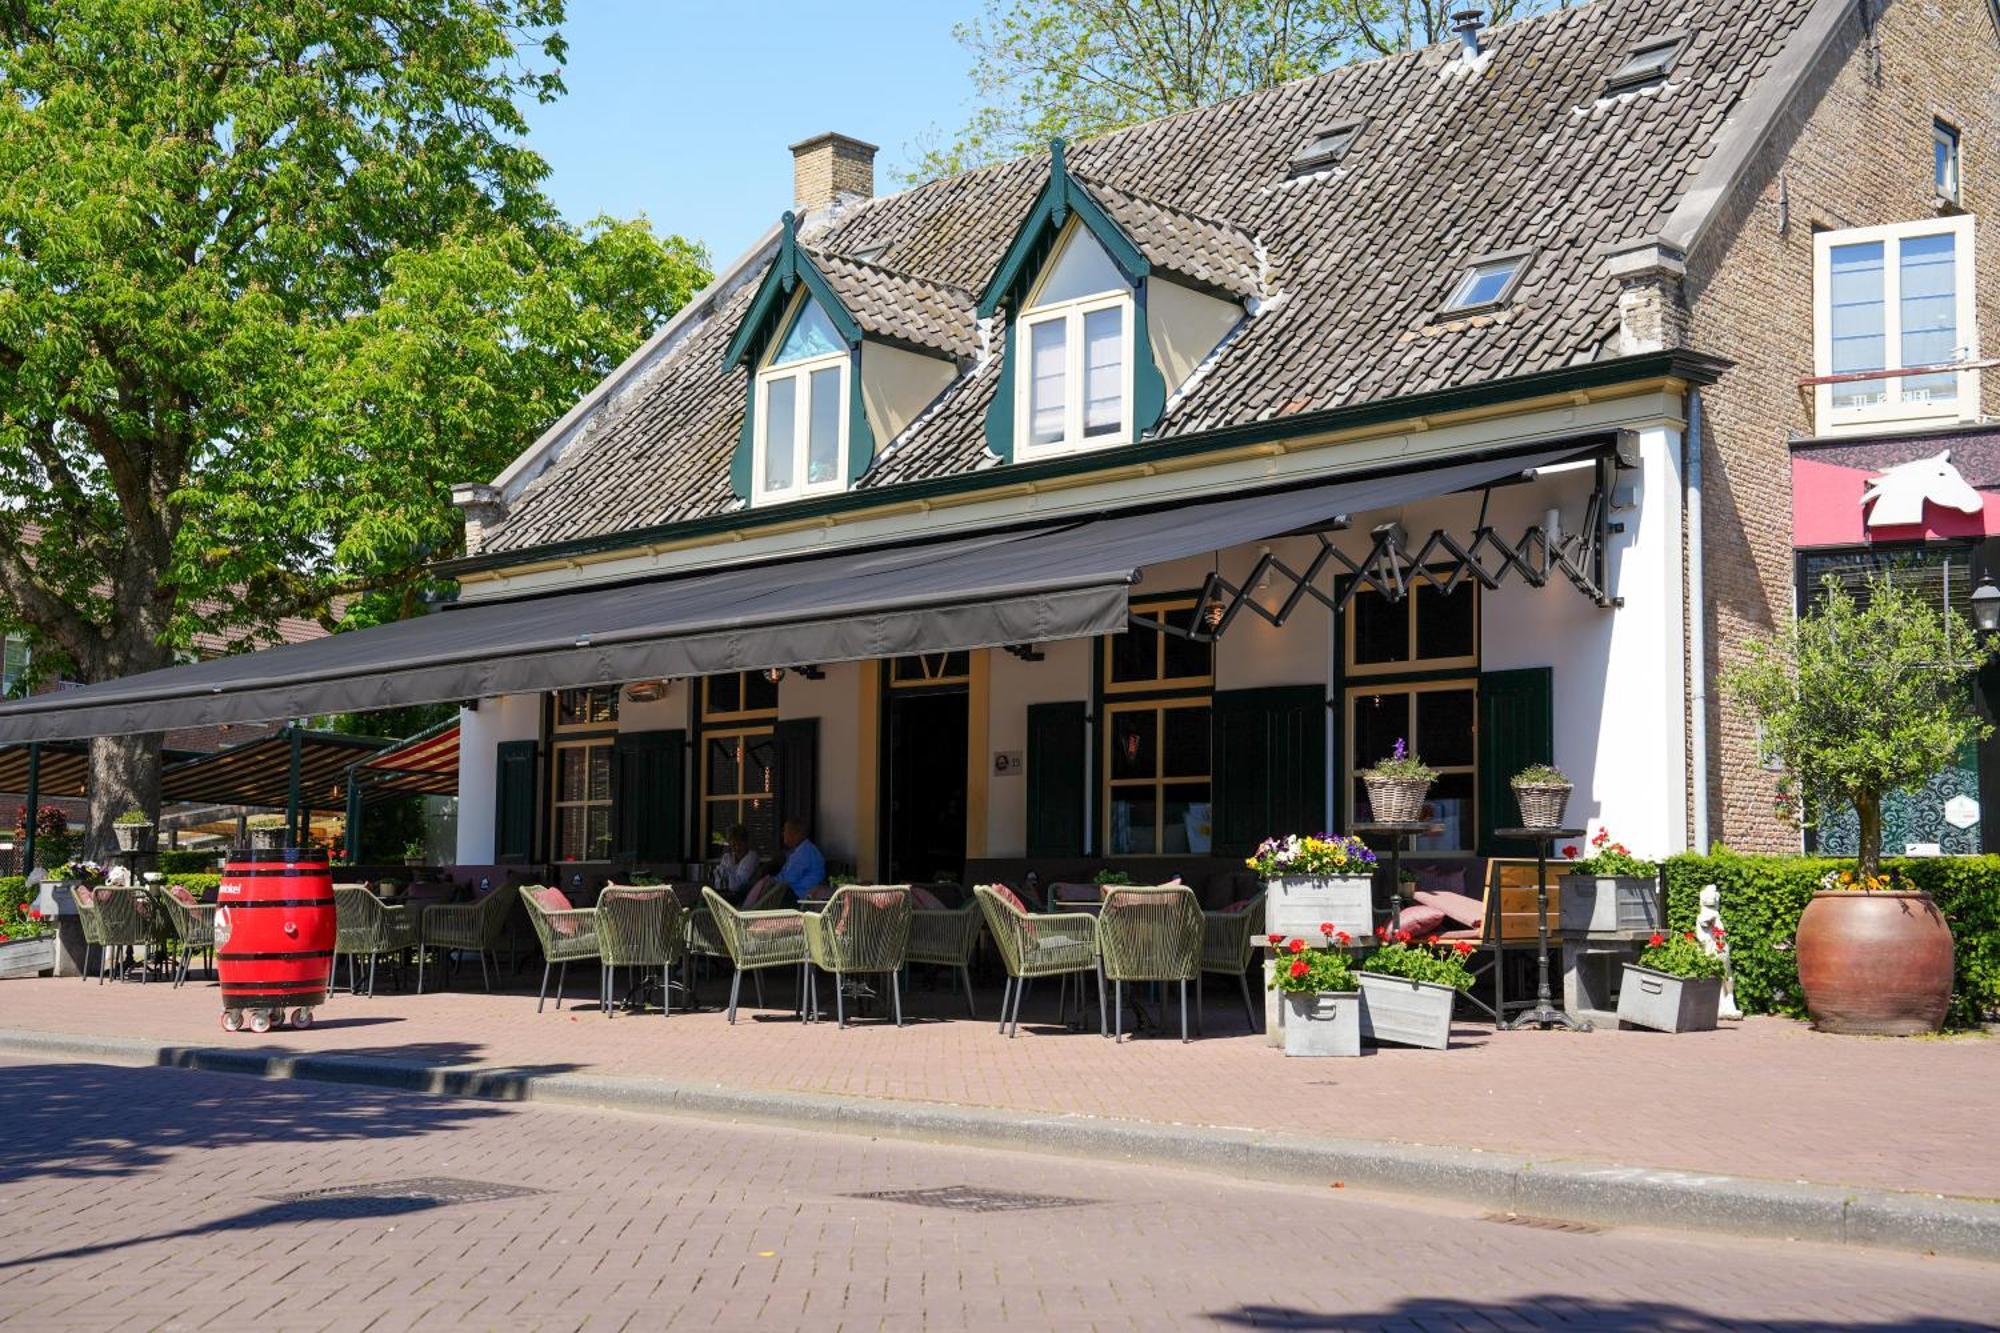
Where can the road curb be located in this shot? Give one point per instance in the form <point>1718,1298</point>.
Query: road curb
<point>1598,1193</point>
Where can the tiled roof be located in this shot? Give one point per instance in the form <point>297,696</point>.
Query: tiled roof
<point>901,307</point>
<point>1457,159</point>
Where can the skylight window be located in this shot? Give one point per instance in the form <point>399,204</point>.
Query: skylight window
<point>1487,282</point>
<point>1326,147</point>
<point>1646,67</point>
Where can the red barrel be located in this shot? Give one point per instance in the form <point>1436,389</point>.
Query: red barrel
<point>274,929</point>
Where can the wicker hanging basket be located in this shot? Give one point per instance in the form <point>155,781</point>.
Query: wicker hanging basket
<point>1541,803</point>
<point>1397,800</point>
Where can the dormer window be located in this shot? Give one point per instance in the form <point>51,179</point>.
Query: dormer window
<point>1646,67</point>
<point>1075,391</point>
<point>801,446</point>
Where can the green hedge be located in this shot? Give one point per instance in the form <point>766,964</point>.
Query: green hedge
<point>184,862</point>
<point>201,886</point>
<point>1762,897</point>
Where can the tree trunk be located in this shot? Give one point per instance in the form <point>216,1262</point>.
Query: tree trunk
<point>124,775</point>
<point>1868,807</point>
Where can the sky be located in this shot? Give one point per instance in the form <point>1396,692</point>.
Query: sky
<point>684,109</point>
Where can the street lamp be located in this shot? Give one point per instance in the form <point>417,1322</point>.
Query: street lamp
<point>1986,605</point>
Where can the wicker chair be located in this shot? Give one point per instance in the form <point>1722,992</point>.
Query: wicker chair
<point>194,926</point>
<point>125,916</point>
<point>567,935</point>
<point>93,929</point>
<point>863,930</point>
<point>480,927</point>
<point>639,927</point>
<point>947,938</point>
<point>1228,946</point>
<point>1062,944</point>
<point>366,927</point>
<point>1149,934</point>
<point>758,941</point>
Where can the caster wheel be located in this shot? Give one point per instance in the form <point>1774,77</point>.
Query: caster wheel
<point>232,1021</point>
<point>302,1018</point>
<point>260,1020</point>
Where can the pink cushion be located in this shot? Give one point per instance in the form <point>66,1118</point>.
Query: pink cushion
<point>923,898</point>
<point>1008,896</point>
<point>1422,921</point>
<point>1467,912</point>
<point>1074,893</point>
<point>555,900</point>
<point>182,895</point>
<point>1457,935</point>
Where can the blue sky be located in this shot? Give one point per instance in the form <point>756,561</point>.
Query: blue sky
<point>682,109</point>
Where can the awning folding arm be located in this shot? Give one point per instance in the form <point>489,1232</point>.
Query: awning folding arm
<point>1391,568</point>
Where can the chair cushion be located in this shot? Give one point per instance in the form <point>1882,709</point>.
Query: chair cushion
<point>1467,912</point>
<point>182,895</point>
<point>923,898</point>
<point>555,900</point>
<point>1422,921</point>
<point>1008,896</point>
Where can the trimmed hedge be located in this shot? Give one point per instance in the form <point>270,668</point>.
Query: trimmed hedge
<point>1763,896</point>
<point>201,886</point>
<point>184,862</point>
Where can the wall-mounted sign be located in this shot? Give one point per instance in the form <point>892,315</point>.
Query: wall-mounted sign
<point>1008,764</point>
<point>1961,811</point>
<point>1895,498</point>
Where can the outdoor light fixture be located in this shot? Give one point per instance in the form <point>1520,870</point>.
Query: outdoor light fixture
<point>1986,605</point>
<point>646,691</point>
<point>774,674</point>
<point>1211,613</point>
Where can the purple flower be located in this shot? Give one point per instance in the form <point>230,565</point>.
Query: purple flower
<point>1402,750</point>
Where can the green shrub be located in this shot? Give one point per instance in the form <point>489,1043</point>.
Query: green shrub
<point>201,886</point>
<point>1763,896</point>
<point>184,862</point>
<point>15,896</point>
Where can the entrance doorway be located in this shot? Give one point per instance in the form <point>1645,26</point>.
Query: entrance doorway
<point>925,776</point>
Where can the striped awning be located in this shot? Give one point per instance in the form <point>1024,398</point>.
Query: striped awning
<point>65,769</point>
<point>424,765</point>
<point>259,772</point>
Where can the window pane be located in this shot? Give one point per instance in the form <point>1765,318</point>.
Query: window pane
<point>599,844</point>
<point>780,432</point>
<point>570,764</point>
<point>1133,811</point>
<point>1450,804</point>
<point>1381,629</point>
<point>722,779</point>
<point>725,693</point>
<point>760,692</point>
<point>1445,727</point>
<point>600,773</point>
<point>1184,826</point>
<point>1380,720</point>
<point>1857,308</point>
<point>1104,372</point>
<point>1184,657</point>
<point>1082,269</point>
<point>760,764</point>
<point>1929,314</point>
<point>1134,752</point>
<point>1135,655</point>
<point>1483,285</point>
<point>823,443</point>
<point>1184,753</point>
<point>760,814</point>
<point>1445,621</point>
<point>812,334</point>
<point>1048,354</point>
<point>570,833</point>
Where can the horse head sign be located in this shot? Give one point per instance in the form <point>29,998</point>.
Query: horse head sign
<point>1896,497</point>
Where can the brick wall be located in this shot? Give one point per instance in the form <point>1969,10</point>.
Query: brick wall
<point>1859,155</point>
<point>829,167</point>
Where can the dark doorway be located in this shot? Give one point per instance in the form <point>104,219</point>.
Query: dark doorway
<point>925,800</point>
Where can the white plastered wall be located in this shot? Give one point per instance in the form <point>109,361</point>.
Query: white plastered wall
<point>513,717</point>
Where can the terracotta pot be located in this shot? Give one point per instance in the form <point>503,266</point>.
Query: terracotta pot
<point>1875,963</point>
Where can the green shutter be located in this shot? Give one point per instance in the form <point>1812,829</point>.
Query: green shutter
<point>1516,728</point>
<point>1057,760</point>
<point>648,797</point>
<point>796,741</point>
<point>514,819</point>
<point>1270,765</point>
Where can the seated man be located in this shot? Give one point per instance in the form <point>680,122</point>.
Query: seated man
<point>736,868</point>
<point>804,870</point>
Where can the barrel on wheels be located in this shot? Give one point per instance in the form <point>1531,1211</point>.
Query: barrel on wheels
<point>274,929</point>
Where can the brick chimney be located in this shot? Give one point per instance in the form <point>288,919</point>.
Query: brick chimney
<point>831,167</point>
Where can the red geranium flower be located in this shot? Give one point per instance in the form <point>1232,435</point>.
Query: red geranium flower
<point>1299,968</point>
<point>1463,947</point>
<point>1571,851</point>
<point>1382,932</point>
<point>1343,938</point>
<point>1689,934</point>
<point>1326,927</point>
<point>35,914</point>
<point>1404,937</point>
<point>1298,946</point>
<point>1657,940</point>
<point>1275,939</point>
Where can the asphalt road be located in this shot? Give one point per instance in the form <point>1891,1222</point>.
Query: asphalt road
<point>151,1198</point>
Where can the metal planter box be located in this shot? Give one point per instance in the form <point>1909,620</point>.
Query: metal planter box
<point>1323,1023</point>
<point>1650,999</point>
<point>1299,907</point>
<point>1409,1013</point>
<point>28,958</point>
<point>1611,905</point>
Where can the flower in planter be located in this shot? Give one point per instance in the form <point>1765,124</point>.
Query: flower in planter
<point>1428,961</point>
<point>1300,967</point>
<point>1609,860</point>
<point>1680,956</point>
<point>1297,946</point>
<point>1312,857</point>
<point>1402,763</point>
<point>1313,970</point>
<point>1275,939</point>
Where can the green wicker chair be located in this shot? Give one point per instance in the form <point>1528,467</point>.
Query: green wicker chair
<point>639,927</point>
<point>1228,945</point>
<point>480,927</point>
<point>863,930</point>
<point>757,942</point>
<point>1061,944</point>
<point>366,927</point>
<point>194,927</point>
<point>93,929</point>
<point>947,938</point>
<point>126,918</point>
<point>1149,934</point>
<point>567,935</point>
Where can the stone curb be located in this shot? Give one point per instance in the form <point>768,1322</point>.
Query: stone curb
<point>1568,1190</point>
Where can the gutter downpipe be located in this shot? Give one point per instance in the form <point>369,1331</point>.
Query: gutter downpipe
<point>1697,627</point>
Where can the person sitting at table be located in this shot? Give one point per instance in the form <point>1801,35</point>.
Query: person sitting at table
<point>804,870</point>
<point>736,868</point>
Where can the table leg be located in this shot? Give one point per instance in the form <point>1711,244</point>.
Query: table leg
<point>1544,1014</point>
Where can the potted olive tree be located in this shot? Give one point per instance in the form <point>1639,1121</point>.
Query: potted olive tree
<point>1408,987</point>
<point>1542,793</point>
<point>1397,786</point>
<point>1310,881</point>
<point>267,832</point>
<point>1322,1001</point>
<point>133,830</point>
<point>1859,699</point>
<point>1676,986</point>
<point>1610,891</point>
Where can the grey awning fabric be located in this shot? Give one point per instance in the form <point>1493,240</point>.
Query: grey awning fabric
<point>259,772</point>
<point>1057,581</point>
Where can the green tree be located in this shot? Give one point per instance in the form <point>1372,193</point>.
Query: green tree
<point>1859,699</point>
<point>272,276</point>
<point>1077,68</point>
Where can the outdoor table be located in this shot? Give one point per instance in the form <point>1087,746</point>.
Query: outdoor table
<point>1397,834</point>
<point>1545,1014</point>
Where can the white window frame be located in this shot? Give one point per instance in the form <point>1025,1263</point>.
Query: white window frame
<point>1947,136</point>
<point>802,371</point>
<point>1894,409</point>
<point>1074,441</point>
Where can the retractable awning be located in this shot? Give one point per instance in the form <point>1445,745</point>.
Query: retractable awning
<point>259,772</point>
<point>424,765</point>
<point>1056,581</point>
<point>63,770</point>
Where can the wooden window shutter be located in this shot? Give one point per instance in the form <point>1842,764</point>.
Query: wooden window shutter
<point>1516,728</point>
<point>1058,743</point>
<point>514,818</point>
<point>1269,765</point>
<point>648,797</point>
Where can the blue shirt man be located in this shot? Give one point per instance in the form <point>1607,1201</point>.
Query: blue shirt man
<point>804,869</point>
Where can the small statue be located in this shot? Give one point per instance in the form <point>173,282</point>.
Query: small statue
<point>119,877</point>
<point>1714,940</point>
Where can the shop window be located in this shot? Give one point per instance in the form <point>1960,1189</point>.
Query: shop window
<point>1439,720</point>
<point>596,706</point>
<point>739,757</point>
<point>1157,778</point>
<point>1896,299</point>
<point>583,800</point>
<point>1148,657</point>
<point>1428,630</point>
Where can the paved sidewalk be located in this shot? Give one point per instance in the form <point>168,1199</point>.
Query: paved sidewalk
<point>149,1198</point>
<point>1766,1099</point>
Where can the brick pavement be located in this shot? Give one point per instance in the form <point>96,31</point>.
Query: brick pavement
<point>1767,1098</point>
<point>138,1198</point>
